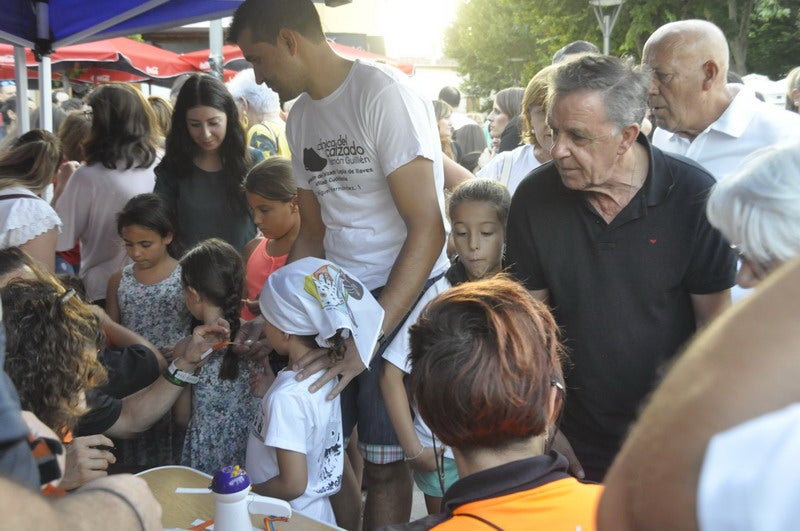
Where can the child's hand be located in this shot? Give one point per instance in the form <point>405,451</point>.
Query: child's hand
<point>252,343</point>
<point>260,379</point>
<point>426,462</point>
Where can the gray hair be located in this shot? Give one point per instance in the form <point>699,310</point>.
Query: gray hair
<point>758,207</point>
<point>261,98</point>
<point>624,88</point>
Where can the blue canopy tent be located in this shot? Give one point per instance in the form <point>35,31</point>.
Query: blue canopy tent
<point>44,25</point>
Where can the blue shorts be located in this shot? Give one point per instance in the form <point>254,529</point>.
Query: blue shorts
<point>428,482</point>
<point>363,405</point>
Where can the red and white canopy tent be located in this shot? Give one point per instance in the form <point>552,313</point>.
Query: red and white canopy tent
<point>117,59</point>
<point>234,60</point>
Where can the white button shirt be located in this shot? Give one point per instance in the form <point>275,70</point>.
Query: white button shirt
<point>746,125</point>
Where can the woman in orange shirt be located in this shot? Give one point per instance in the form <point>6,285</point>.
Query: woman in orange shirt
<point>486,377</point>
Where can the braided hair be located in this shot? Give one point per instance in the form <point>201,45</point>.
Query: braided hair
<point>215,270</point>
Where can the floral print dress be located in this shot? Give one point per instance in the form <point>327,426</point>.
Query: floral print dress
<point>158,313</point>
<point>221,413</point>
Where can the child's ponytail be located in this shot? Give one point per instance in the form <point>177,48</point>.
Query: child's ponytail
<point>338,347</point>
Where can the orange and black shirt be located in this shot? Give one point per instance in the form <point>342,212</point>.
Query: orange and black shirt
<point>530,494</point>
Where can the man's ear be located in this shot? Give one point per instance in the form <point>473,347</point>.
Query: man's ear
<point>288,38</point>
<point>711,73</point>
<point>629,135</point>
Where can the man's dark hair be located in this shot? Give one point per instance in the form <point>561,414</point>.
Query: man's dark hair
<point>265,19</point>
<point>573,48</point>
<point>451,96</point>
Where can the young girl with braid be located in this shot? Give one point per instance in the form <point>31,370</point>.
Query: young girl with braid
<point>219,406</point>
<point>295,449</point>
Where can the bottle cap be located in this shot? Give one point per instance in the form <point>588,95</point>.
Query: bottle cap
<point>230,479</point>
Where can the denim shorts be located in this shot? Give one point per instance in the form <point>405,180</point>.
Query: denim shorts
<point>363,405</point>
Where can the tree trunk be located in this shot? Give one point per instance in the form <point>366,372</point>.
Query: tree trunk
<point>739,14</point>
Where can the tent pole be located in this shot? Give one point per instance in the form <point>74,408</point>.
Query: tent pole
<point>215,48</point>
<point>45,94</point>
<point>21,79</point>
<point>43,50</point>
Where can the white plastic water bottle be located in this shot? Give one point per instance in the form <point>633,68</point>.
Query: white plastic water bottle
<point>231,485</point>
<point>234,501</point>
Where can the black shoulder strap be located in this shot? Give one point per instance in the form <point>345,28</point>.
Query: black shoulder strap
<point>19,196</point>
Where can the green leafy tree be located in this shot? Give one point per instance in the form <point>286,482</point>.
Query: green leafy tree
<point>775,38</point>
<point>501,43</point>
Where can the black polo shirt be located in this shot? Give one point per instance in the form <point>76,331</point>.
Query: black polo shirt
<point>620,290</point>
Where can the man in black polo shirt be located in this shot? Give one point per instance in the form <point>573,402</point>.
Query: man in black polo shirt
<point>613,234</point>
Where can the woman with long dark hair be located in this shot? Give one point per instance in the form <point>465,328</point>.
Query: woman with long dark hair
<point>205,162</point>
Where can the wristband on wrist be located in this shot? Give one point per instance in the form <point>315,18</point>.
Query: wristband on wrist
<point>174,375</point>
<point>407,459</point>
<point>171,379</point>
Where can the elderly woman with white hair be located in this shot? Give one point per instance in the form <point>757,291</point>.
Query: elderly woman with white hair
<point>758,211</point>
<point>259,110</point>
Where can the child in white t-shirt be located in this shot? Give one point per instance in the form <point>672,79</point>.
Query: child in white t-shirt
<point>478,213</point>
<point>295,448</point>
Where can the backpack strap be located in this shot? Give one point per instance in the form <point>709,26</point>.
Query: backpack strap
<point>19,196</point>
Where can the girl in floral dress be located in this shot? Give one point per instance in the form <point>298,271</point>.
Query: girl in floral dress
<point>147,297</point>
<point>219,407</point>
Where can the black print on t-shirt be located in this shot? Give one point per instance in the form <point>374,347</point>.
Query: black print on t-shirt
<point>312,161</point>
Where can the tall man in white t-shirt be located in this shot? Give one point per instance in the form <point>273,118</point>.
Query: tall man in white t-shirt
<point>696,112</point>
<point>368,165</point>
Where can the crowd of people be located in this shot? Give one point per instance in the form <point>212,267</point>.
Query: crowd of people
<point>376,290</point>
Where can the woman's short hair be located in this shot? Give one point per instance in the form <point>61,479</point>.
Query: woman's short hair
<point>470,137</point>
<point>509,101</point>
<point>272,179</point>
<point>51,350</point>
<point>535,95</point>
<point>758,207</point>
<point>122,128</point>
<point>261,98</point>
<point>442,110</point>
<point>484,358</point>
<point>73,133</point>
<point>162,112</point>
<point>31,161</point>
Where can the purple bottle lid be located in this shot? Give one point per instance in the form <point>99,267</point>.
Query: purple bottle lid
<point>230,479</point>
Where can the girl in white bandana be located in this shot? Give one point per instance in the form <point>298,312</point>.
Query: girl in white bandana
<point>295,449</point>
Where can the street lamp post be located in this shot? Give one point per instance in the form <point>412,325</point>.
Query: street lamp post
<point>606,12</point>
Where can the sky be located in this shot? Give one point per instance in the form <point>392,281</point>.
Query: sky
<point>415,28</point>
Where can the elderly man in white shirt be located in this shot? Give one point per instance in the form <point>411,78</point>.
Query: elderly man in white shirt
<point>696,112</point>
